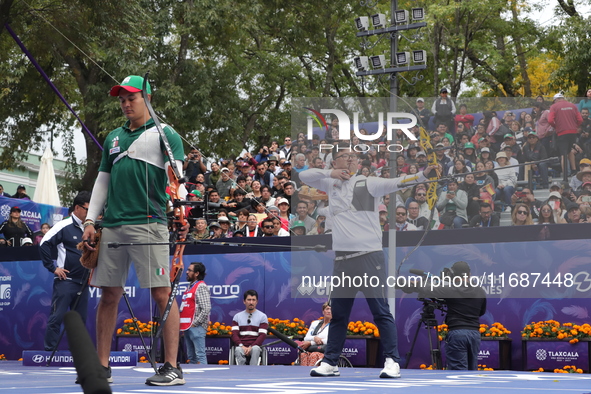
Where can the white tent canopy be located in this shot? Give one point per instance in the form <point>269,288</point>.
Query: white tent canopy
<point>46,189</point>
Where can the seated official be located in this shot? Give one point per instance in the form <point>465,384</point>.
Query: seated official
<point>249,330</point>
<point>316,338</point>
<point>465,305</point>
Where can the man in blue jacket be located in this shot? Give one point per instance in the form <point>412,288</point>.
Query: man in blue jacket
<point>70,276</point>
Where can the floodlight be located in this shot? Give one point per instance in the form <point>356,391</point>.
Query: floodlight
<point>418,14</point>
<point>378,61</point>
<point>362,23</point>
<point>402,58</point>
<point>419,57</point>
<point>401,17</point>
<point>378,20</point>
<point>361,63</point>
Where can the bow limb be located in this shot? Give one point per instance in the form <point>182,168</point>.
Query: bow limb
<point>424,142</point>
<point>179,220</point>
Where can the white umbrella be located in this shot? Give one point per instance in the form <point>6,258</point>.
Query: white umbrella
<point>46,189</point>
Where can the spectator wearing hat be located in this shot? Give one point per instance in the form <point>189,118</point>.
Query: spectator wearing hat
<point>226,226</point>
<point>558,206</point>
<point>576,181</point>
<point>485,154</point>
<point>574,214</point>
<point>421,161</point>
<point>470,153</point>
<point>444,110</point>
<point>283,205</point>
<point>565,118</point>
<point>21,192</point>
<point>423,114</point>
<point>509,140</point>
<point>319,226</point>
<point>275,213</point>
<point>224,184</point>
<point>14,229</point>
<point>464,117</point>
<point>507,179</point>
<point>3,193</point>
<point>533,150</point>
<point>215,231</point>
<point>298,228</point>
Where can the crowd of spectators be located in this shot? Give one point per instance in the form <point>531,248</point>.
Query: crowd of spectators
<point>260,193</point>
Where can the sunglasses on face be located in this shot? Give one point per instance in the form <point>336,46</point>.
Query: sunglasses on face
<point>522,212</point>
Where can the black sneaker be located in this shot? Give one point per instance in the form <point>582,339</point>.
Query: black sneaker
<point>167,376</point>
<point>107,375</point>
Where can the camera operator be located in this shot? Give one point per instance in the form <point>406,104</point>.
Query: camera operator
<point>465,305</point>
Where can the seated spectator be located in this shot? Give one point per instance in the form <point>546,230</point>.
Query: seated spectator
<point>14,229</point>
<point>298,228</point>
<point>268,227</point>
<point>226,225</point>
<point>249,330</point>
<point>526,196</point>
<point>242,184</point>
<point>264,176</point>
<point>39,236</point>
<point>558,206</point>
<point>302,215</point>
<point>274,212</point>
<point>242,218</point>
<point>316,338</point>
<point>224,184</point>
<point>452,204</point>
<point>546,215</point>
<point>215,231</point>
<point>21,192</point>
<point>319,226</point>
<point>278,230</point>
<point>252,228</point>
<point>521,216</point>
<point>214,175</point>
<point>507,179</point>
<point>459,170</point>
<point>486,217</point>
<point>473,192</point>
<point>584,175</point>
<point>420,196</point>
<point>533,150</point>
<point>482,178</point>
<point>401,223</point>
<point>283,206</point>
<point>574,214</point>
<point>420,222</point>
<point>200,231</point>
<point>256,190</point>
<point>3,193</point>
<point>266,196</point>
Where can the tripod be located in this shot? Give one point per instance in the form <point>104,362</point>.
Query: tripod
<point>428,319</point>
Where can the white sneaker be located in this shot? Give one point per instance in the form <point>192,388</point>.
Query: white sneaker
<point>391,369</point>
<point>508,209</point>
<point>325,369</point>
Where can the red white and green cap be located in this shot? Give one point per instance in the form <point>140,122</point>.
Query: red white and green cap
<point>132,83</point>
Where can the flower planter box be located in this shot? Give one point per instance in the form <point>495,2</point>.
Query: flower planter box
<point>361,350</point>
<point>550,353</point>
<point>495,353</point>
<point>130,343</point>
<point>217,348</point>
